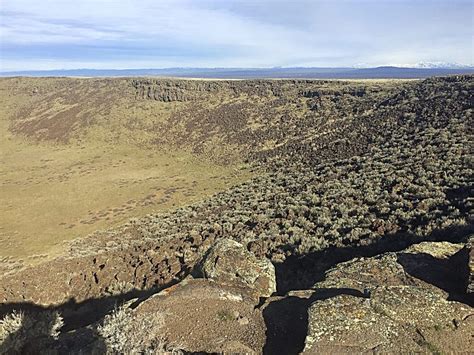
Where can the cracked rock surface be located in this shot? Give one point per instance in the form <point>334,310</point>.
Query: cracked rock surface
<point>228,262</point>
<point>396,312</point>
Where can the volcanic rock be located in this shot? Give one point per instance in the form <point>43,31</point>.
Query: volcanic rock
<point>228,262</point>
<point>203,316</point>
<point>385,304</point>
<point>470,249</point>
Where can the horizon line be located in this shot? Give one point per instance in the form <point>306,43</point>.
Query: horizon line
<point>456,67</point>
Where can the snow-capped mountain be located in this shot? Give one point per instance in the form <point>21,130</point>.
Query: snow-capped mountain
<point>419,65</point>
<point>439,65</point>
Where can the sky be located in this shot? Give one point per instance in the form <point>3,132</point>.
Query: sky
<point>120,34</point>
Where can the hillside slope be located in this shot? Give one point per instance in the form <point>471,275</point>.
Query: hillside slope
<point>87,154</point>
<point>341,170</point>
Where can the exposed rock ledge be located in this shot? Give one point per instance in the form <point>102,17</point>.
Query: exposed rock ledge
<point>403,304</point>
<point>414,300</point>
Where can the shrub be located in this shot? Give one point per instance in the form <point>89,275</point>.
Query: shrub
<point>126,333</point>
<point>19,329</point>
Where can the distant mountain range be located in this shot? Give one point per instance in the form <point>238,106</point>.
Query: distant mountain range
<point>423,70</point>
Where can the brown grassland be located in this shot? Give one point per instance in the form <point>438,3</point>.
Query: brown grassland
<point>70,178</point>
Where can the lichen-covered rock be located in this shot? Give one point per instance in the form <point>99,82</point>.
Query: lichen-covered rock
<point>394,302</point>
<point>203,316</point>
<point>439,250</point>
<point>366,273</point>
<point>229,262</point>
<point>394,319</point>
<point>470,250</point>
<point>345,323</point>
<point>427,264</point>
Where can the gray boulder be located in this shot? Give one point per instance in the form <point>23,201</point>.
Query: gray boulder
<point>470,251</point>
<point>203,316</point>
<point>391,303</point>
<point>229,262</point>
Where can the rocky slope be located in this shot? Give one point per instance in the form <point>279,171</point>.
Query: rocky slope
<point>413,300</point>
<point>338,200</point>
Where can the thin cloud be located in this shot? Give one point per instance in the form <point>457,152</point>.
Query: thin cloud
<point>264,33</point>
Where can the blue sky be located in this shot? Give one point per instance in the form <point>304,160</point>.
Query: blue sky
<point>66,34</point>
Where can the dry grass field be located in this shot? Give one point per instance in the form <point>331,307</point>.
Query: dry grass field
<point>66,182</point>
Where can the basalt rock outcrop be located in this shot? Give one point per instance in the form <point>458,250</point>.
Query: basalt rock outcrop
<point>407,301</point>
<point>396,302</point>
<point>205,316</point>
<point>470,265</point>
<point>190,90</point>
<point>215,314</point>
<point>228,262</point>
